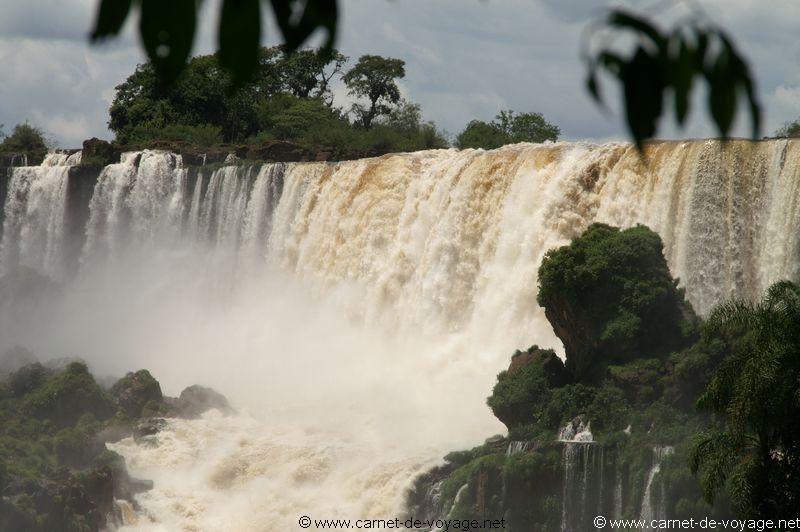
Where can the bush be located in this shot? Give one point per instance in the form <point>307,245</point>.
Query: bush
<point>25,139</point>
<point>610,298</point>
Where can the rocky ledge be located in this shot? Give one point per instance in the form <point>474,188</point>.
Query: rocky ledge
<point>56,473</point>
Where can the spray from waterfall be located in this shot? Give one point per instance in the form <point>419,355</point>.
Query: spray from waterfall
<point>357,312</point>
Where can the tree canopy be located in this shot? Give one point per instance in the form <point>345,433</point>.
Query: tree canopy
<point>374,78</point>
<point>507,127</point>
<point>24,139</point>
<point>755,454</point>
<point>288,98</point>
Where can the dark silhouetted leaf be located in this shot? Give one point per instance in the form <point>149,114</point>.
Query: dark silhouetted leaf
<point>740,73</point>
<point>167,29</point>
<point>683,73</point>
<point>625,20</point>
<point>722,93</point>
<point>644,94</point>
<point>111,15</point>
<point>593,88</point>
<point>317,14</point>
<point>240,38</point>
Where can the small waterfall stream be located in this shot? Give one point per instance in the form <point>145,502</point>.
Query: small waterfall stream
<point>649,510</point>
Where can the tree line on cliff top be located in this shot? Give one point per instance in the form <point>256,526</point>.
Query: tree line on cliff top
<point>290,96</point>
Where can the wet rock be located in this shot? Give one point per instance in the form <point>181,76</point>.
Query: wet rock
<point>148,427</point>
<point>195,400</point>
<point>99,153</point>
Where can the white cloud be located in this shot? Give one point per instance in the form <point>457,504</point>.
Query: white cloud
<point>465,59</point>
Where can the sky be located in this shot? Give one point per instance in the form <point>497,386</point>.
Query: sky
<point>465,59</point>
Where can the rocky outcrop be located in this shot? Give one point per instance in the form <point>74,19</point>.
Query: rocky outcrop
<point>610,299</point>
<point>527,381</point>
<point>551,364</point>
<point>195,400</point>
<point>134,391</point>
<point>99,153</point>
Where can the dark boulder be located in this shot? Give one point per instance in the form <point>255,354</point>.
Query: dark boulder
<point>524,388</point>
<point>195,400</point>
<point>553,367</point>
<point>148,427</point>
<point>99,153</point>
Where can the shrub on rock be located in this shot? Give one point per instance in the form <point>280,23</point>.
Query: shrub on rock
<point>522,391</point>
<point>134,391</point>
<point>610,299</point>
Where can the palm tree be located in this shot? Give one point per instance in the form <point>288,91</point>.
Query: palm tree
<point>755,450</point>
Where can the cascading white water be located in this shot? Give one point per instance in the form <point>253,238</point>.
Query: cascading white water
<point>357,312</point>
<point>649,510</point>
<point>35,211</point>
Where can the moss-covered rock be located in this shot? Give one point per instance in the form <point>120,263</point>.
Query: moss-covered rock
<point>136,390</point>
<point>524,388</point>
<point>610,299</point>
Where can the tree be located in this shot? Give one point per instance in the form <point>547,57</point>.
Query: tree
<point>756,390</point>
<point>789,130</point>
<point>527,127</point>
<point>309,72</point>
<point>374,78</point>
<point>663,62</point>
<point>479,134</point>
<point>25,139</point>
<point>507,127</point>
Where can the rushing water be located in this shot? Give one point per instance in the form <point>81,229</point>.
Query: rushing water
<point>357,312</point>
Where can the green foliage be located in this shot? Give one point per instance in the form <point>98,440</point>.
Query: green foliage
<point>611,299</point>
<point>789,130</point>
<point>375,78</point>
<point>756,454</point>
<point>135,391</point>
<point>288,98</point>
<point>508,127</point>
<point>668,62</point>
<point>518,397</point>
<point>66,396</point>
<point>25,139</point>
<point>480,134</point>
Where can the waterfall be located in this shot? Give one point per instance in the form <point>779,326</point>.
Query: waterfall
<point>35,211</point>
<point>649,510</point>
<point>337,300</point>
<point>582,496</point>
<point>515,447</point>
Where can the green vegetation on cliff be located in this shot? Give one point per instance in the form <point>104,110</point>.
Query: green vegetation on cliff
<point>288,98</point>
<point>56,473</point>
<point>610,299</point>
<point>638,364</point>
